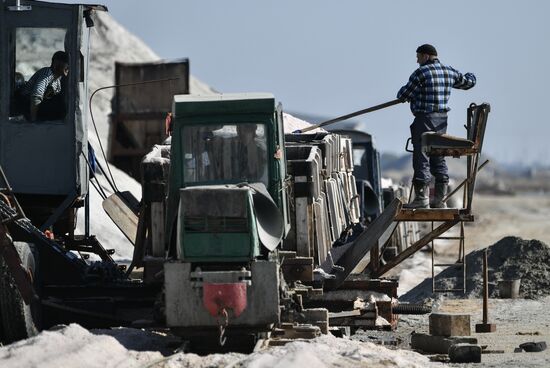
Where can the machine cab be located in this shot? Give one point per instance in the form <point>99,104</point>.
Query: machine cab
<point>219,142</point>
<point>228,139</point>
<point>43,104</point>
<point>43,151</point>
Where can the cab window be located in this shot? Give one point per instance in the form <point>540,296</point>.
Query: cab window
<point>39,74</point>
<point>225,153</point>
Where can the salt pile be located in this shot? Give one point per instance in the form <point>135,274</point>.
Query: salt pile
<point>292,124</point>
<point>508,259</point>
<point>74,346</point>
<point>329,351</point>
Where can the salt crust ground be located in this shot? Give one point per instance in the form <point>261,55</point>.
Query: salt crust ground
<point>74,346</point>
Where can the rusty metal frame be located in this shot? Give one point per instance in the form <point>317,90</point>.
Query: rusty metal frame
<point>415,247</point>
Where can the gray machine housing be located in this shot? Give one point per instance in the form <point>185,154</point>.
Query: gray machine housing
<point>183,296</point>
<point>53,151</point>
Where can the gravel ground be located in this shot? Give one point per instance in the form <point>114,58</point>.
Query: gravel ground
<point>517,321</point>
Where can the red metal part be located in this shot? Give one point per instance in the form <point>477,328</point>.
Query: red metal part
<point>217,297</point>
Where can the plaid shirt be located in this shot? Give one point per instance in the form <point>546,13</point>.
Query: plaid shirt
<point>429,87</point>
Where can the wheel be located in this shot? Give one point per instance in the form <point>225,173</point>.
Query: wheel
<point>19,321</point>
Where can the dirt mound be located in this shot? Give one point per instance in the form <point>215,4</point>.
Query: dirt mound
<point>509,258</point>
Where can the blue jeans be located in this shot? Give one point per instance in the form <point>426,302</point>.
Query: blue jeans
<point>422,164</point>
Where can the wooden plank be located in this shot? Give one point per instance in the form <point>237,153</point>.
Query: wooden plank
<point>320,238</point>
<point>434,214</point>
<point>352,313</point>
<point>452,152</point>
<point>325,221</point>
<point>331,208</point>
<point>361,246</point>
<point>155,96</point>
<point>122,215</point>
<point>302,227</point>
<point>157,229</point>
<point>355,198</point>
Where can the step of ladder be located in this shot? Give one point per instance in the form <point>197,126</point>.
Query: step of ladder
<point>458,264</point>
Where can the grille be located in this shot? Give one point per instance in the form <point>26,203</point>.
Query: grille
<point>215,225</point>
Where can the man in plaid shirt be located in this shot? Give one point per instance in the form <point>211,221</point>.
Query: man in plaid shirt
<point>428,91</point>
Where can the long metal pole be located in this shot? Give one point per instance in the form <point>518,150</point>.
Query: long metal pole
<point>87,215</point>
<point>348,116</point>
<point>485,289</point>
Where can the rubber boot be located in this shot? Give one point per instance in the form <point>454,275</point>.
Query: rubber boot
<point>440,190</point>
<point>421,196</point>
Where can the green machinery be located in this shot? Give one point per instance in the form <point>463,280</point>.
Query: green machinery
<point>234,215</point>
<point>225,210</point>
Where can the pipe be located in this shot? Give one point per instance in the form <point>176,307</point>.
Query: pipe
<point>353,114</point>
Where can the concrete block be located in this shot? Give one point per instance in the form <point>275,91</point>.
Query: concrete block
<point>449,324</point>
<point>465,353</point>
<point>317,317</point>
<point>485,327</point>
<point>438,344</point>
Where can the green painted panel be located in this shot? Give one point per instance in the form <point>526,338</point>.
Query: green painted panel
<point>213,246</point>
<point>223,104</point>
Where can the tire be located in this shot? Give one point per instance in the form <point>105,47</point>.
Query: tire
<point>19,321</point>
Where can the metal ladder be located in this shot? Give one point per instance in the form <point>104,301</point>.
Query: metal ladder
<point>460,263</point>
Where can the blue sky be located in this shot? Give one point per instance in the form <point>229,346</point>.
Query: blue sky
<point>330,58</point>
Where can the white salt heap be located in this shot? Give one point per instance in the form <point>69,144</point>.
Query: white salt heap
<point>74,346</point>
<point>292,123</point>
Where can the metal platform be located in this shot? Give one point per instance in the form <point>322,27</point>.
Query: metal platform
<point>443,220</point>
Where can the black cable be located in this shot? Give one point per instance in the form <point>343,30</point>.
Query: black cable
<point>106,177</point>
<point>93,120</point>
<point>101,192</point>
<point>97,189</point>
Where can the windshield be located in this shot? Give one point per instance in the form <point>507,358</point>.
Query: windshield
<point>229,153</point>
